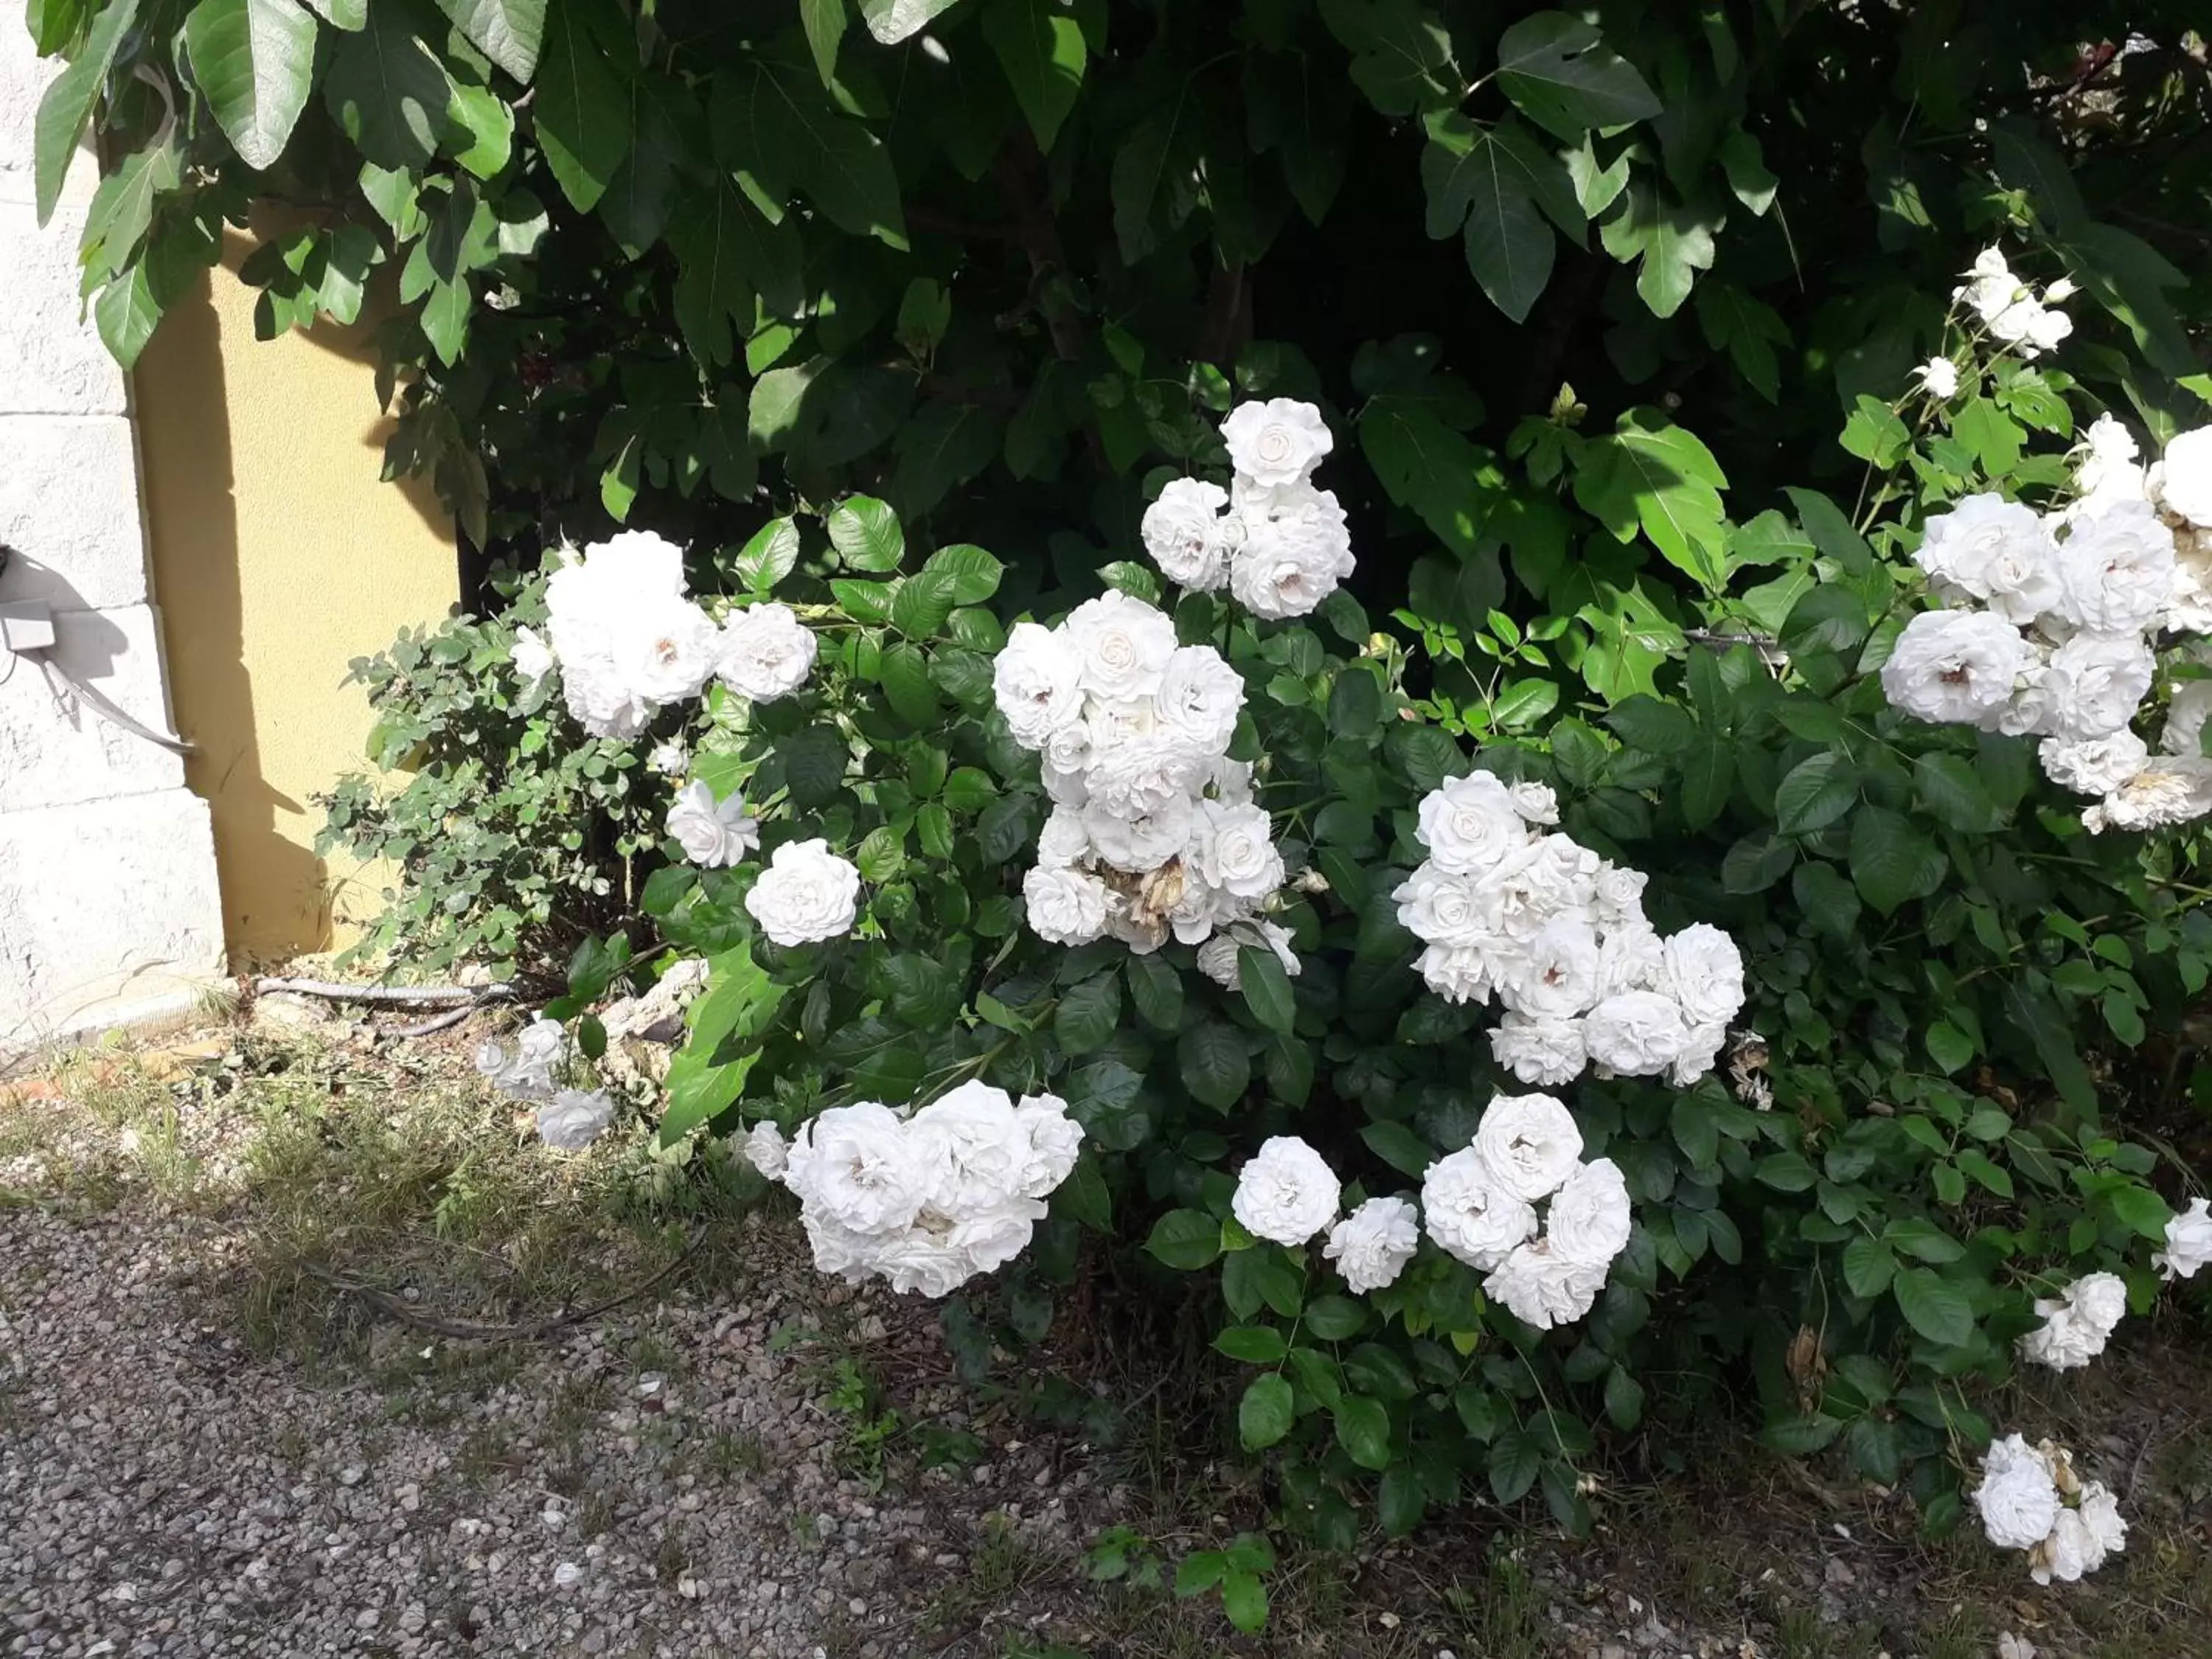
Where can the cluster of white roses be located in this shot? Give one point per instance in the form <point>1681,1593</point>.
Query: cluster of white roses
<point>627,638</point>
<point>2010,310</point>
<point>2077,1322</point>
<point>1559,935</point>
<point>1480,1204</point>
<point>567,1119</point>
<point>2052,620</point>
<point>1153,828</point>
<point>926,1199</point>
<point>2031,1499</point>
<point>1278,544</point>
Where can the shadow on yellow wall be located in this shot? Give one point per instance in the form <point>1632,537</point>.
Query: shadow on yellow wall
<point>279,556</point>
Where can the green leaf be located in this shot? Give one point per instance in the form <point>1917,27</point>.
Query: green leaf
<point>972,573</point>
<point>1362,1429</point>
<point>1265,1414</point>
<point>726,252</point>
<point>1492,180</point>
<point>1255,1345</point>
<point>892,21</point>
<point>1868,1266</point>
<point>1244,1602</point>
<point>921,606</point>
<point>1453,484</point>
<point>1624,1399</point>
<point>770,555</point>
<point>508,32</point>
<point>1514,1458</point>
<point>700,1088</point>
<point>1398,49</point>
<point>1157,989</point>
<point>1708,775</point>
<point>1564,78</point>
<point>867,534</point>
<point>1673,241</point>
<point>1039,46</point>
<point>254,61</point>
<point>68,103</point>
<point>1266,987</point>
<point>1088,1014</point>
<point>1661,478</point>
<point>907,685</point>
<point>739,1001</point>
<point>1398,1147</point>
<point>1934,1306</point>
<point>389,93</point>
<point>945,444</point>
<point>1952,791</point>
<point>1891,860</point>
<point>584,123</point>
<point>1186,1239</point>
<point>1215,1064</point>
<point>1829,901</point>
<point>1335,1318</point>
<point>1814,794</point>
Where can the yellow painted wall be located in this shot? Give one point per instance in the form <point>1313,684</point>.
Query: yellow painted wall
<point>279,556</point>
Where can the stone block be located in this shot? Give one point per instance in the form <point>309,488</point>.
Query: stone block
<point>109,915</point>
<point>52,362</point>
<point>55,747</point>
<point>68,505</point>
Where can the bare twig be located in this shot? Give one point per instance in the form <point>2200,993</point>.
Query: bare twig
<point>470,1330</point>
<point>400,995</point>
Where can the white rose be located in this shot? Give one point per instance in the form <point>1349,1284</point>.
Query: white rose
<point>2094,765</point>
<point>1539,1288</point>
<point>767,651</point>
<point>857,1166</point>
<point>575,1118</point>
<point>665,649</point>
<point>923,1261</point>
<point>1065,906</point>
<point>1632,957</point>
<point>974,1145</point>
<point>765,1150</point>
<point>1544,1052</point>
<point>1460,973</point>
<point>1036,680</point>
<point>1121,645</point>
<point>2076,1323</point>
<point>1701,1048</point>
<point>1938,377</point>
<point>669,759</point>
<point>2118,567</point>
<point>2190,609</point>
<point>1560,977</point>
<point>1051,1142</point>
<point>851,1256</point>
<point>1635,1033</point>
<point>1183,533</point>
<point>2100,1518</point>
<point>532,657</point>
<point>1199,698</point>
<point>2182,481</point>
<point>1140,843</point>
<point>1297,549</point>
<point>1589,1221</point>
<point>2096,681</point>
<point>1063,841</point>
<point>1620,896</point>
<point>2105,469</point>
<point>1372,1245</point>
<point>1200,909</point>
<point>988,1238</point>
<point>1529,1143</point>
<point>2017,1498</point>
<point>2188,1241</point>
<point>2063,1553</point>
<point>1536,802</point>
<point>1705,974</point>
<point>714,833</point>
<point>600,698</point>
<point>1470,1217</point>
<point>806,894</point>
<point>1554,876</point>
<point>1285,1192</point>
<point>1234,849</point>
<point>1442,908</point>
<point>1230,781</point>
<point>2185,714</point>
<point>1471,823</point>
<point>1141,932</point>
<point>1279,441</point>
<point>1144,775</point>
<point>2171,789</point>
<point>1989,548</point>
<point>1954,666</point>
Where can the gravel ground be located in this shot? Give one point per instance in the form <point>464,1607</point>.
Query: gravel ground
<point>671,1479</point>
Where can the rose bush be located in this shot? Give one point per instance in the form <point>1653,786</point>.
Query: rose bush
<point>1664,365</point>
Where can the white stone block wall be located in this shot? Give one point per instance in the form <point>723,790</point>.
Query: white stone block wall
<point>109,910</point>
